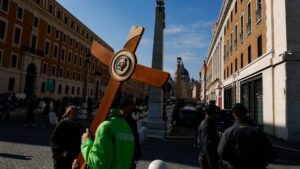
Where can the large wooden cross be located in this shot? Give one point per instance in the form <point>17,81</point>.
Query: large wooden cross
<point>122,65</point>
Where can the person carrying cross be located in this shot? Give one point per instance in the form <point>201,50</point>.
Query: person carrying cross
<point>113,145</point>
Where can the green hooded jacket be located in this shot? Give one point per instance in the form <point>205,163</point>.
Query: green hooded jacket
<point>113,145</point>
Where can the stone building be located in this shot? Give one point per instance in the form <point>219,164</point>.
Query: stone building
<point>254,59</point>
<point>44,50</point>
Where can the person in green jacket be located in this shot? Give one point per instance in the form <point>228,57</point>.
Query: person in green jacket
<point>113,145</point>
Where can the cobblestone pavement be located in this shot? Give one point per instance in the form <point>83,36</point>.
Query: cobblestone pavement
<point>28,148</point>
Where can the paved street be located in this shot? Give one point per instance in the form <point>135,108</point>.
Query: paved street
<point>28,148</point>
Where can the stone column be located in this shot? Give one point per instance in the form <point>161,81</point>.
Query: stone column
<point>155,124</point>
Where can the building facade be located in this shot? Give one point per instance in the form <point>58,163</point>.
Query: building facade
<point>254,59</point>
<point>44,50</point>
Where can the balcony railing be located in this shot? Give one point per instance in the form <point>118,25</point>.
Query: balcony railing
<point>33,51</point>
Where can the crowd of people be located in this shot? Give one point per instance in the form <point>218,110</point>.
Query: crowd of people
<point>116,143</point>
<point>243,145</point>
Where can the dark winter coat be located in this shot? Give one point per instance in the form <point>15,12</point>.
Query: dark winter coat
<point>208,140</point>
<point>245,146</point>
<point>66,136</point>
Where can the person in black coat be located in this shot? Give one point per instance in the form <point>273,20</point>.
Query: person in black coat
<point>127,108</point>
<point>244,145</point>
<point>208,138</point>
<point>66,139</point>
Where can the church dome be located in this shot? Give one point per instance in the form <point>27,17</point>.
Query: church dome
<point>184,72</point>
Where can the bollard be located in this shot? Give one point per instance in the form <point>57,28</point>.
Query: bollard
<point>158,164</point>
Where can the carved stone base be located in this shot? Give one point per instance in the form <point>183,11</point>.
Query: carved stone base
<point>155,128</point>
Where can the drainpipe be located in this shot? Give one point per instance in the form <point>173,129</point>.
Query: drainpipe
<point>273,55</point>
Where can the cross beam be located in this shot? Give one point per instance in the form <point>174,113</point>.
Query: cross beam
<point>122,66</point>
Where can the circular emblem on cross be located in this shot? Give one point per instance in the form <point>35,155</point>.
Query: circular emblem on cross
<point>122,65</point>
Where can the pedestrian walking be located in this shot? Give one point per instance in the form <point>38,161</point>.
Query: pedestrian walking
<point>113,146</point>
<point>6,108</point>
<point>208,138</point>
<point>127,108</point>
<point>66,139</point>
<point>31,106</point>
<point>244,145</point>
<point>45,113</point>
<point>89,107</point>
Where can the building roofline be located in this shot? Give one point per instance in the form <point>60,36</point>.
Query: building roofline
<point>223,13</point>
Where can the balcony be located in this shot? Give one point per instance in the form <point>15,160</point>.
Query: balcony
<point>34,51</point>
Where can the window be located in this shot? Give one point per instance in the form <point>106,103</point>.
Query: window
<point>73,76</point>
<point>224,51</point>
<point>67,74</point>
<point>58,15</point>
<point>11,84</point>
<point>249,17</point>
<point>38,2</point>
<point>249,54</point>
<point>225,74</point>
<point>45,68</point>
<point>78,76</point>
<point>4,5</point>
<point>242,29</point>
<point>36,22</point>
<point>258,10</point>
<point>55,51</point>
<point>67,90</point>
<point>33,43</point>
<point>57,34</point>
<point>75,59</point>
<point>78,91</point>
<point>3,25</point>
<point>69,57</point>
<point>259,46</point>
<point>72,24</point>
<point>70,41</point>
<point>235,37</point>
<point>231,68</point>
<point>43,87</point>
<point>73,89</point>
<point>47,48</point>
<point>66,20</point>
<point>80,62</point>
<point>49,29</point>
<point>227,71</point>
<point>231,17</point>
<point>59,88</point>
<point>231,43</point>
<point>17,35</point>
<point>235,7</point>
<point>235,65</point>
<point>50,8</point>
<point>62,57</point>
<point>53,70</point>
<point>61,72</point>
<point>20,12</point>
<point>64,38</point>
<point>1,56</point>
<point>242,60</point>
<point>14,60</point>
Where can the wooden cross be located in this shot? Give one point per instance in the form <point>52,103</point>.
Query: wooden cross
<point>122,66</point>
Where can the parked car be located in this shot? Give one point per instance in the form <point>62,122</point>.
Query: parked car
<point>189,116</point>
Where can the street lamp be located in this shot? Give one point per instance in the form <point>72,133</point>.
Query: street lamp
<point>179,60</point>
<point>85,82</point>
<point>160,2</point>
<point>178,87</point>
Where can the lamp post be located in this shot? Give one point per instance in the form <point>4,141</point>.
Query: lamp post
<point>85,82</point>
<point>178,87</point>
